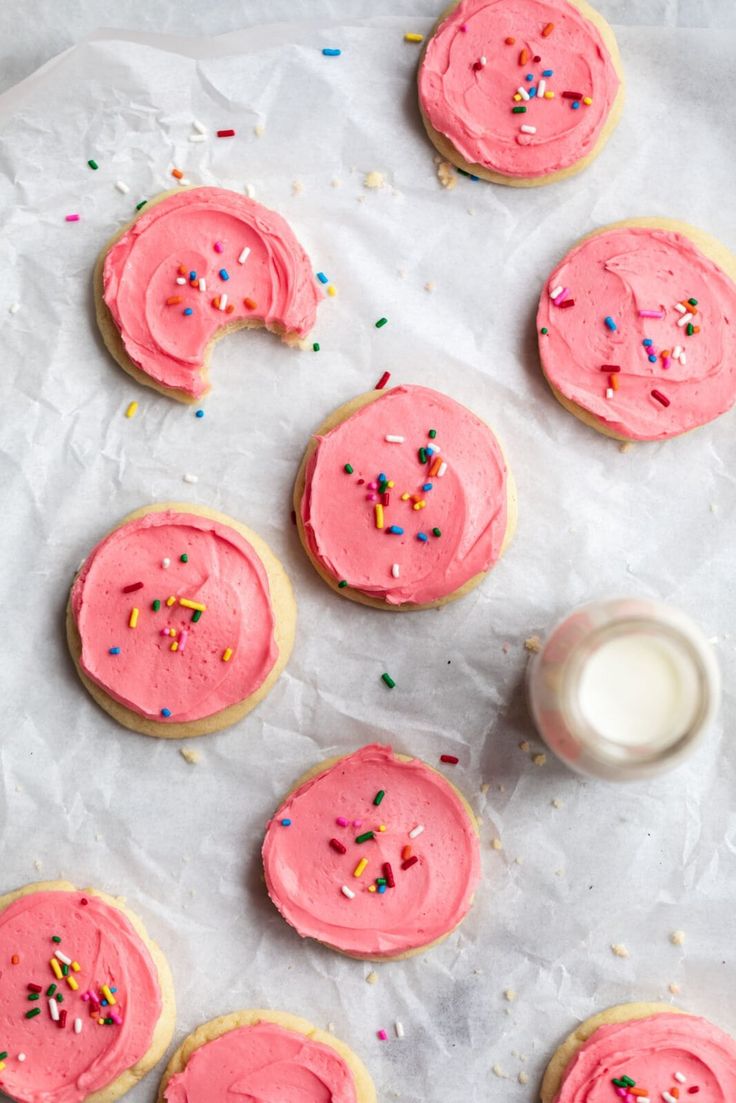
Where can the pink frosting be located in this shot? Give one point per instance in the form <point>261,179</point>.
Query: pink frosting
<point>61,1066</point>
<point>618,274</point>
<point>468,503</point>
<point>223,573</point>
<point>263,1063</point>
<point>141,270</point>
<point>650,1051</point>
<point>305,873</point>
<point>471,103</point>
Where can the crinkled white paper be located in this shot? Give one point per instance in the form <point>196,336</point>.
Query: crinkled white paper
<point>582,865</point>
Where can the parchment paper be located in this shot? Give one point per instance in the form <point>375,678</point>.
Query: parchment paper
<point>83,798</point>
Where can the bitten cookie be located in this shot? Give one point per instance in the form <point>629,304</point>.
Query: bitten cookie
<point>637,329</point>
<point>375,855</point>
<point>193,265</point>
<point>180,621</point>
<point>87,998</point>
<point>404,499</point>
<point>264,1055</point>
<point>639,1052</point>
<point>520,92</point>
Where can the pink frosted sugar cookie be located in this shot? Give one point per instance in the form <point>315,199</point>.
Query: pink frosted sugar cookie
<point>375,855</point>
<point>87,999</point>
<point>180,621</point>
<point>263,1056</point>
<point>520,92</point>
<point>404,499</point>
<point>637,329</point>
<point>194,264</point>
<point>643,1051</point>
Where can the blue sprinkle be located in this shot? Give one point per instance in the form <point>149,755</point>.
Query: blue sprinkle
<point>529,76</point>
<point>382,478</point>
<point>286,823</point>
<point>322,277</point>
<point>575,104</point>
<point>532,93</point>
<point>423,537</point>
<point>427,486</point>
<point>114,651</point>
<point>192,275</point>
<point>103,1003</point>
<point>331,53</point>
<point>113,990</point>
<point>199,413</point>
<point>396,530</point>
<point>474,177</point>
<point>189,310</point>
<point>166,712</point>
<point>548,72</point>
<point>647,342</point>
<point>609,322</point>
<point>429,450</point>
<point>224,274</point>
<point>381,888</point>
<point>652,358</point>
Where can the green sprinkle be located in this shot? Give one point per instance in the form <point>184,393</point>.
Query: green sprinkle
<point>518,111</point>
<point>436,532</point>
<point>432,434</point>
<point>93,164</point>
<point>156,605</point>
<point>141,204</point>
<point>50,990</point>
<point>388,680</point>
<point>422,455</point>
<point>690,330</point>
<point>184,558</point>
<point>59,998</point>
<point>348,469</point>
<point>380,880</point>
<point>381,323</point>
<point>315,346</point>
<point>544,330</point>
<point>629,1082</point>
<point>65,970</point>
<point>33,1012</point>
<point>379,796</point>
<point>693,302</point>
<point>55,938</point>
<point>33,996</point>
<point>196,615</point>
<point>108,1022</point>
<point>3,1055</point>
<point>365,836</point>
<point>342,584</point>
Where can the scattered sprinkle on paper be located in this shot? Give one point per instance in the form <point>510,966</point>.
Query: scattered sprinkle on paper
<point>619,950</point>
<point>191,478</point>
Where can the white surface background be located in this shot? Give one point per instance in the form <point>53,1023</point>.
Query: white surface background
<point>83,798</point>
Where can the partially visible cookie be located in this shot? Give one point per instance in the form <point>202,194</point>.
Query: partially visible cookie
<point>180,620</point>
<point>264,1055</point>
<point>520,92</point>
<point>87,998</point>
<point>637,1052</point>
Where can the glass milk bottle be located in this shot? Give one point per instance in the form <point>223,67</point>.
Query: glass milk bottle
<point>623,688</point>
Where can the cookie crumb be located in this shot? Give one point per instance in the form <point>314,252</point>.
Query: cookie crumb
<point>523,1077</point>
<point>13,308</point>
<point>539,759</point>
<point>559,873</point>
<point>446,174</point>
<point>533,644</point>
<point>374,179</point>
<point>496,844</point>
<point>485,787</point>
<point>189,755</point>
<point>524,746</point>
<point>190,478</point>
<point>331,1028</point>
<point>335,182</point>
<point>518,861</point>
<point>249,190</point>
<point>498,1071</point>
<point>556,803</point>
<point>297,187</point>
<point>372,977</point>
<point>37,864</point>
<point>259,130</point>
<point>625,446</point>
<point>619,949</point>
<point>510,995</point>
<point>674,988</point>
<point>677,938</point>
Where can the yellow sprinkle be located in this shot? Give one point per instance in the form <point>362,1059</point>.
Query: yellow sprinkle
<point>371,888</point>
<point>170,600</point>
<point>72,983</point>
<point>133,617</point>
<point>391,484</point>
<point>409,37</point>
<point>174,646</point>
<point>587,101</point>
<point>379,515</point>
<point>191,604</point>
<point>332,290</point>
<point>360,867</point>
<point>57,968</point>
<point>419,505</point>
<point>382,827</point>
<point>405,496</point>
<point>132,407</point>
<point>549,95</point>
<point>76,966</point>
<point>2,1065</point>
<point>108,995</point>
<point>100,1022</point>
<point>517,97</point>
<point>227,654</point>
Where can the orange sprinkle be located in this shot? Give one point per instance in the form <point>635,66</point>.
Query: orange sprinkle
<point>510,41</point>
<point>229,309</point>
<point>15,960</point>
<point>665,353</point>
<point>613,382</point>
<point>547,31</point>
<point>523,56</point>
<point>173,300</point>
<point>435,466</point>
<point>675,1092</point>
<point>216,301</point>
<point>638,1091</point>
<point>406,852</point>
<point>690,309</point>
<point>696,329</point>
<point>182,270</point>
<point>250,303</point>
<point>177,173</point>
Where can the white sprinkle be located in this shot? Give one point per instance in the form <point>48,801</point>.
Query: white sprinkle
<point>244,255</point>
<point>680,1076</point>
<point>122,187</point>
<point>191,478</point>
<point>540,89</point>
<point>77,1026</point>
<point>223,301</point>
<point>668,1098</point>
<point>523,93</point>
<point>442,469</point>
<point>681,308</point>
<point>184,183</point>
<point>199,127</point>
<point>347,892</point>
<point>683,359</point>
<point>14,308</point>
<point>433,448</point>
<point>484,60</point>
<point>394,440</point>
<point>21,1056</point>
<point>202,283</point>
<point>684,320</point>
<point>416,831</point>
<point>609,392</point>
<point>399,1028</point>
<point>197,137</point>
<point>555,294</point>
<point>181,280</point>
<point>166,562</point>
<point>62,957</point>
<point>54,1010</point>
<point>526,129</point>
<point>676,352</point>
<point>396,570</point>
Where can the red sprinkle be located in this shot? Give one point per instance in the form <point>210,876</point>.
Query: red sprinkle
<point>567,302</point>
<point>225,133</point>
<point>451,758</point>
<point>536,58</point>
<point>388,873</point>
<point>694,1090</point>
<point>409,862</point>
<point>572,95</point>
<point>610,367</point>
<point>661,398</point>
<point>338,846</point>
<point>382,381</point>
<point>62,1019</point>
<point>133,587</point>
<point>510,41</point>
<point>386,498</point>
<point>84,900</point>
<point>35,988</point>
